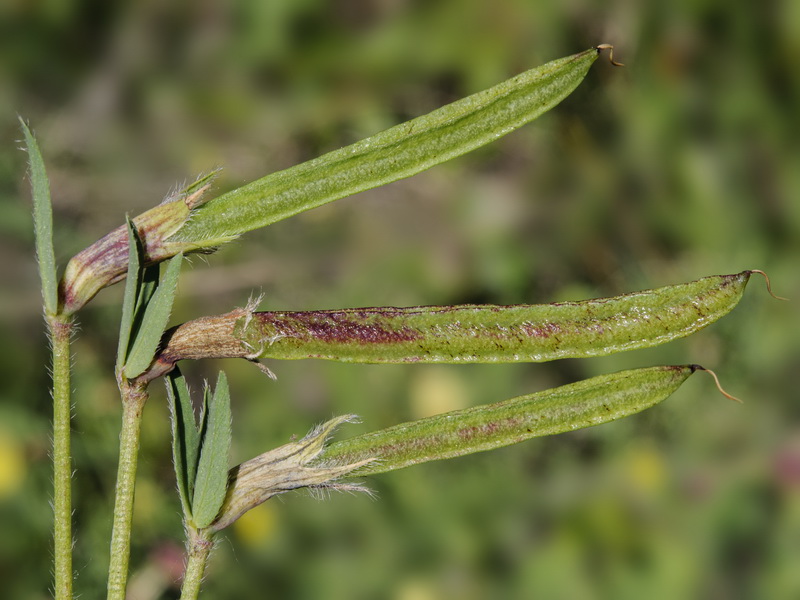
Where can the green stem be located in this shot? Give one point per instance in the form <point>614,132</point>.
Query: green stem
<point>60,332</point>
<point>199,547</point>
<point>134,397</point>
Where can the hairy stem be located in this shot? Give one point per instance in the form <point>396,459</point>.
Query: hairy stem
<point>60,332</point>
<point>198,549</point>
<point>134,397</point>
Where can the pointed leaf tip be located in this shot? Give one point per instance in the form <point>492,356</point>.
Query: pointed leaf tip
<point>42,222</point>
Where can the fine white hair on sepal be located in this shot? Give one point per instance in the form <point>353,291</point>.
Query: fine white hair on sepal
<point>323,491</point>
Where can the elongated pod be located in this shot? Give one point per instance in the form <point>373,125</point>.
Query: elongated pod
<point>583,404</point>
<point>461,334</point>
<point>311,463</point>
<point>398,152</point>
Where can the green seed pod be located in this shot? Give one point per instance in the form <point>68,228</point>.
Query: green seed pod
<point>190,223</point>
<point>485,334</point>
<point>461,334</point>
<point>396,153</point>
<point>583,404</point>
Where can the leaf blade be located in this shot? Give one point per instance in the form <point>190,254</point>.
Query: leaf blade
<point>154,321</point>
<point>42,222</point>
<point>185,438</point>
<point>583,404</point>
<point>211,482</point>
<point>129,299</point>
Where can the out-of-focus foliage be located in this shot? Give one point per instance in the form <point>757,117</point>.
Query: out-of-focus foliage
<point>680,165</point>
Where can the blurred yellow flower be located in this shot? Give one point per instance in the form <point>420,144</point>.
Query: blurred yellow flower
<point>12,466</point>
<point>645,469</point>
<point>149,500</point>
<point>436,390</point>
<point>256,525</point>
<point>416,589</point>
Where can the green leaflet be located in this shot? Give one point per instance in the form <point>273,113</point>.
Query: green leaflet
<point>471,333</point>
<point>185,438</point>
<point>583,404</point>
<point>151,279</point>
<point>146,306</point>
<point>153,305</point>
<point>42,223</point>
<point>396,153</point>
<point>211,482</point>
<point>130,301</point>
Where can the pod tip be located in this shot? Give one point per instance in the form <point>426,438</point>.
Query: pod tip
<point>769,285</point>
<point>716,380</point>
<point>610,48</point>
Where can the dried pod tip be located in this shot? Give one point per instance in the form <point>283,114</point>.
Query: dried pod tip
<point>769,285</point>
<point>716,380</point>
<point>610,49</point>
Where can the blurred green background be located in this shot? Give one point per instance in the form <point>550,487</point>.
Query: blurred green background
<point>683,164</point>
